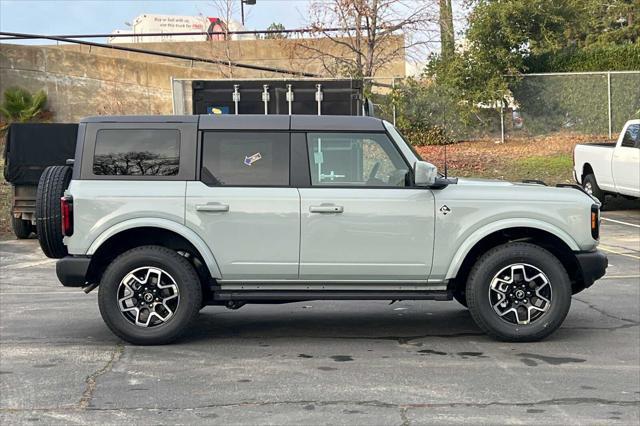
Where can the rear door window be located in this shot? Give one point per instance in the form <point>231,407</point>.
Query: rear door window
<point>245,159</point>
<point>137,152</point>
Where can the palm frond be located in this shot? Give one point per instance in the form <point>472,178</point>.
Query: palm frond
<point>20,106</point>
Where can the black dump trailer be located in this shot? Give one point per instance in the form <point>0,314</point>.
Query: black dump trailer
<point>310,96</point>
<point>29,149</point>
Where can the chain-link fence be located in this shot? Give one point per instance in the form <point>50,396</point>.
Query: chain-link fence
<point>593,103</point>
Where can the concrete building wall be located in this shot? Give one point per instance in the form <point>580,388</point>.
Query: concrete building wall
<point>80,81</point>
<point>80,84</point>
<point>296,54</point>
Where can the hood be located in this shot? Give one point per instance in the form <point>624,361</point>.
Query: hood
<point>484,182</point>
<point>500,189</point>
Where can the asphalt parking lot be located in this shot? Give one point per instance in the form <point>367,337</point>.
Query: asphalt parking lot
<point>320,362</point>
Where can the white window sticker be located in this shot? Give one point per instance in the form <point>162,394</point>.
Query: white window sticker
<point>249,160</point>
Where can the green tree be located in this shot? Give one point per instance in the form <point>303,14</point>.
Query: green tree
<point>21,106</point>
<point>509,37</point>
<point>602,23</point>
<point>275,26</point>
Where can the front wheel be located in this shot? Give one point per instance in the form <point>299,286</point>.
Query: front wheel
<point>149,295</point>
<point>518,292</point>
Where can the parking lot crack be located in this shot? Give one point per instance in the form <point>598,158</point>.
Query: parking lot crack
<point>546,402</point>
<point>403,340</point>
<point>403,417</point>
<point>91,380</point>
<point>607,314</point>
<point>404,408</point>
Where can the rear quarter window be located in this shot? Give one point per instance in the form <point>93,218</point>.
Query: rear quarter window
<point>137,152</point>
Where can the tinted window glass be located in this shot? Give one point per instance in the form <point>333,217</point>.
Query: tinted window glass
<point>632,136</point>
<point>137,152</point>
<point>245,159</point>
<point>355,159</point>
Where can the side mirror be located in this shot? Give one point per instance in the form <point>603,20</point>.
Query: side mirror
<point>424,173</point>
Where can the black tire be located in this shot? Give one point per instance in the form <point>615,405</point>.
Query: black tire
<point>459,294</point>
<point>53,182</point>
<point>590,185</point>
<point>21,228</point>
<point>185,277</point>
<point>490,264</point>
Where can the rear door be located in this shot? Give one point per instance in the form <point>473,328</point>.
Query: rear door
<point>243,207</point>
<point>361,221</point>
<point>625,164</point>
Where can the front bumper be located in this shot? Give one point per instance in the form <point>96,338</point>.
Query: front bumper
<point>72,270</point>
<point>593,266</point>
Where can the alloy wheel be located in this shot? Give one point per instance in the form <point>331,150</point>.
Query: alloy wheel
<point>520,293</point>
<point>588,188</point>
<point>148,296</point>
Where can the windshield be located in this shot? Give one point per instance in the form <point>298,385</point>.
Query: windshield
<point>397,136</point>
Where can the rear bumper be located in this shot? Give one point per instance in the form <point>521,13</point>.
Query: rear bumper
<point>72,270</point>
<point>593,265</point>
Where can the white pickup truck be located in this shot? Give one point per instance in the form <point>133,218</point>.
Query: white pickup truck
<point>608,168</point>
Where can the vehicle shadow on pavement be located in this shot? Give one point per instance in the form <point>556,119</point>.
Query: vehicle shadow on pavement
<point>620,203</point>
<point>414,321</point>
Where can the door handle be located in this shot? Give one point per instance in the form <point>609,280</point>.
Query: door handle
<point>212,207</point>
<point>326,208</point>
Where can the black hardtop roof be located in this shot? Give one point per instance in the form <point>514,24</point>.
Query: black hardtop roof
<point>140,119</point>
<point>255,122</point>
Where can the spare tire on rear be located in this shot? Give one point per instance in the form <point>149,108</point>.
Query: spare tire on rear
<point>53,182</point>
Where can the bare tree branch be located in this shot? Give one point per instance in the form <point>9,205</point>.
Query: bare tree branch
<point>376,32</point>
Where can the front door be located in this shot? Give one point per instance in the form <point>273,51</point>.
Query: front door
<point>243,207</point>
<point>361,221</point>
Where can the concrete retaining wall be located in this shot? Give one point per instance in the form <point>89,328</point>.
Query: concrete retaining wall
<point>81,81</point>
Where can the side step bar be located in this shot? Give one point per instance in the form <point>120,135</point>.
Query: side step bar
<point>272,295</point>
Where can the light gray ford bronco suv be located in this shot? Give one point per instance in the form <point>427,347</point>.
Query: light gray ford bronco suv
<point>168,214</point>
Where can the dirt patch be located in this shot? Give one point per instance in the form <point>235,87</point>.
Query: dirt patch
<point>548,158</point>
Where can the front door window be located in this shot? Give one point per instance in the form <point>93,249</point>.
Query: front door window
<point>355,159</point>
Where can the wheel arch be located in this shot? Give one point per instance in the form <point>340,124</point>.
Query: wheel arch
<point>545,235</point>
<point>586,170</point>
<point>137,232</point>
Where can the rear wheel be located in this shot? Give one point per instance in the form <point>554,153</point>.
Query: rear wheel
<point>591,187</point>
<point>53,182</point>
<point>21,228</point>
<point>149,295</point>
<point>518,292</point>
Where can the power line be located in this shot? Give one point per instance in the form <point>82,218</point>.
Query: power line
<point>212,33</point>
<point>163,54</point>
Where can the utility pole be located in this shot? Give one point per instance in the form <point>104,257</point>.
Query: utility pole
<point>242,3</point>
<point>447,42</point>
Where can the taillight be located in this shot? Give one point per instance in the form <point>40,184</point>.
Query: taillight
<point>66,210</point>
<point>595,221</point>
